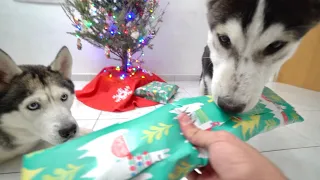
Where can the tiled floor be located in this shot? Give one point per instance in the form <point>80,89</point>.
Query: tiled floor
<point>295,148</point>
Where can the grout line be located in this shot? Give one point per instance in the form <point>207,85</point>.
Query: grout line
<point>10,173</point>
<point>96,121</point>
<point>308,147</point>
<point>302,135</point>
<point>303,110</point>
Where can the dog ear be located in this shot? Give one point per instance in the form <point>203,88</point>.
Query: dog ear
<point>8,69</point>
<point>63,62</point>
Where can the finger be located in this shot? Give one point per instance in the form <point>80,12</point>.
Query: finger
<point>195,135</point>
<point>193,175</point>
<point>200,137</point>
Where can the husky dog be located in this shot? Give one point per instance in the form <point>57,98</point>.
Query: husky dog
<point>35,104</point>
<point>248,42</point>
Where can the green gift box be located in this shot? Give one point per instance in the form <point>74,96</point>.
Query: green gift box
<point>152,146</point>
<point>157,91</point>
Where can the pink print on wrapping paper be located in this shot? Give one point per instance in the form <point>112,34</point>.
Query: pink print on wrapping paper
<point>285,118</point>
<point>135,164</point>
<point>215,124</point>
<point>119,147</point>
<point>279,108</point>
<point>150,94</point>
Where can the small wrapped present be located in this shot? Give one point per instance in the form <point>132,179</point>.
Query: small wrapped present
<point>157,91</point>
<point>152,146</point>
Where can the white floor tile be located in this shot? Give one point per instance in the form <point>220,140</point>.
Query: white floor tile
<point>297,164</point>
<point>193,91</point>
<point>11,166</point>
<point>280,138</point>
<point>13,176</point>
<point>80,84</point>
<point>191,87</point>
<point>81,112</point>
<point>106,123</point>
<point>310,128</point>
<point>187,84</point>
<point>301,99</point>
<point>88,124</point>
<point>127,115</point>
<point>181,94</point>
<point>159,105</point>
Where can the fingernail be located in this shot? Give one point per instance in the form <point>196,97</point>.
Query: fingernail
<point>184,119</point>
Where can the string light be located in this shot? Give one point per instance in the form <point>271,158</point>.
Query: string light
<point>87,23</point>
<point>131,16</point>
<point>122,76</point>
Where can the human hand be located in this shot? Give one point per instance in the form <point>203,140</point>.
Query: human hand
<point>229,157</point>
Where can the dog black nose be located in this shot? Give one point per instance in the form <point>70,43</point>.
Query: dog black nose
<point>229,106</point>
<point>68,131</point>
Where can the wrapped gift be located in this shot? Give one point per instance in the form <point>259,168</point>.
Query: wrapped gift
<point>157,91</point>
<point>152,146</point>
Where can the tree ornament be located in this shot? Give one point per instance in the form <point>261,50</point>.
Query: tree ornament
<point>79,44</point>
<point>110,13</point>
<point>102,10</point>
<point>135,34</point>
<point>107,51</point>
<point>108,20</point>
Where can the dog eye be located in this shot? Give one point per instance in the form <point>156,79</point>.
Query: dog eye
<point>274,47</point>
<point>224,40</point>
<point>33,106</point>
<point>64,97</point>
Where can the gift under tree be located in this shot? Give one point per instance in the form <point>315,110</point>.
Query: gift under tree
<point>123,28</point>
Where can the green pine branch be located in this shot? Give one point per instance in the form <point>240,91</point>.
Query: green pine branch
<point>94,27</point>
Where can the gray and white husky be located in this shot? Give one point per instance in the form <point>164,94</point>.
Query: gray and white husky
<point>35,104</point>
<point>248,42</point>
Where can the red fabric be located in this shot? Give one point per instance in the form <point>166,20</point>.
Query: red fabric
<point>101,92</point>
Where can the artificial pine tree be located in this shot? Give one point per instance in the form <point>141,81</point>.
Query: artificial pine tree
<point>120,27</point>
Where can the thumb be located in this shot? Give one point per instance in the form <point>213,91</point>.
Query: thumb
<point>195,135</point>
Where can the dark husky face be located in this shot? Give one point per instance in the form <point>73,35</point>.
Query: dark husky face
<point>249,40</point>
<point>38,98</point>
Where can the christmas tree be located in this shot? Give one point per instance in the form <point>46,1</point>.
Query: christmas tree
<point>120,27</point>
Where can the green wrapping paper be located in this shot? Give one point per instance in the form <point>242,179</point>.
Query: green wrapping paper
<point>152,147</point>
<point>157,91</point>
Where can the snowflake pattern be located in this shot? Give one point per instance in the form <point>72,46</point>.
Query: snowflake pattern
<point>122,94</point>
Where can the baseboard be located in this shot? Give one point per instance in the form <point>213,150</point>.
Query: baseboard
<point>166,77</point>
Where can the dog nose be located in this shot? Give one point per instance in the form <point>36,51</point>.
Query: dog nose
<point>68,131</point>
<point>229,106</point>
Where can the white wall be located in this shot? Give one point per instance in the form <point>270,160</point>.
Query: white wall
<point>33,33</point>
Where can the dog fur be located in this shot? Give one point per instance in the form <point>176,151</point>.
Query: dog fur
<point>35,104</point>
<point>248,42</point>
